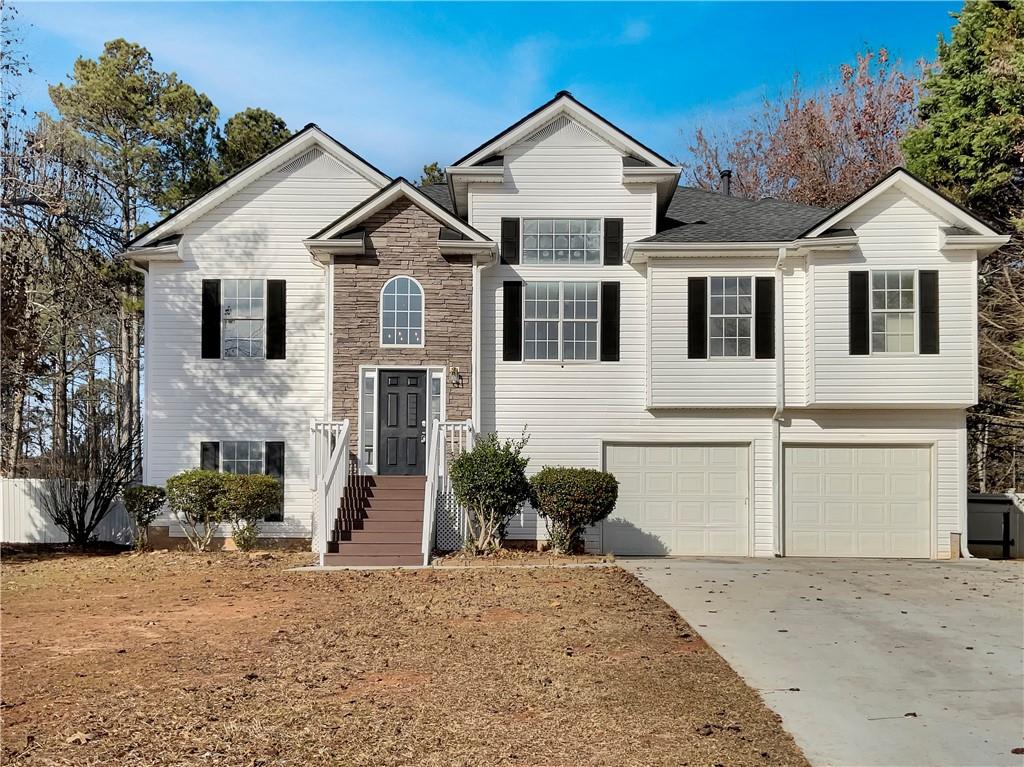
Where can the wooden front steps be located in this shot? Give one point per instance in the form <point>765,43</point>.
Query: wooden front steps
<point>380,523</point>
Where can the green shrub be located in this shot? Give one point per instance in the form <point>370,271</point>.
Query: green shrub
<point>490,481</point>
<point>570,500</point>
<point>143,502</point>
<point>193,496</point>
<point>247,499</point>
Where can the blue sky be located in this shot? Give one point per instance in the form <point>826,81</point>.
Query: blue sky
<point>405,84</point>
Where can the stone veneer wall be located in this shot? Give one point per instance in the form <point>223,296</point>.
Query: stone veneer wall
<point>401,240</point>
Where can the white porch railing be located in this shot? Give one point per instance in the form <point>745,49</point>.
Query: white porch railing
<point>445,441</point>
<point>328,475</point>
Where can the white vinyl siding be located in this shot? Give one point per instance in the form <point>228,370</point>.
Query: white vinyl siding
<point>255,234</point>
<point>676,380</point>
<point>896,233</point>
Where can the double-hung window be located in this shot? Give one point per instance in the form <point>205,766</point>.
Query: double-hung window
<point>560,321</point>
<point>730,313</point>
<point>244,311</point>
<point>564,241</point>
<point>892,311</point>
<point>241,457</point>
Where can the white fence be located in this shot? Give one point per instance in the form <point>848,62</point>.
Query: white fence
<point>23,517</point>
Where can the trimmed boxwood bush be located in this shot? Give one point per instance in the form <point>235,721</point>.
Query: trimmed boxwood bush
<point>490,481</point>
<point>143,502</point>
<point>570,500</point>
<point>193,497</point>
<point>246,500</point>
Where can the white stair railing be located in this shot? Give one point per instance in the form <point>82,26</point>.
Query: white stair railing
<point>328,475</point>
<point>446,440</point>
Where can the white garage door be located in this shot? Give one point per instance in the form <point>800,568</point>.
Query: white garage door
<point>858,501</point>
<point>679,499</point>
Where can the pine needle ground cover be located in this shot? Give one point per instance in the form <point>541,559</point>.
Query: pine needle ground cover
<point>174,658</point>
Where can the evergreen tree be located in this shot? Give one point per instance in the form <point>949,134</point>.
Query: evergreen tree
<point>248,136</point>
<point>970,144</point>
<point>433,174</point>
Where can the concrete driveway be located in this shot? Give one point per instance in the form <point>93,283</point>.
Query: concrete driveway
<point>869,662</point>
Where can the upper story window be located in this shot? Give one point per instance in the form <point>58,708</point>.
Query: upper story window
<point>892,311</point>
<point>562,241</point>
<point>244,311</point>
<point>730,310</point>
<point>401,313</point>
<point>561,321</point>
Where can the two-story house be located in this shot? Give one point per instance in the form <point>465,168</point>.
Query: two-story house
<point>763,378</point>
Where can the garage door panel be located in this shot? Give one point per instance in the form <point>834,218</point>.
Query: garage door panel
<point>858,501</point>
<point>680,499</point>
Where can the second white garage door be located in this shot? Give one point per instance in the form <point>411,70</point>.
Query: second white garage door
<point>679,499</point>
<point>858,501</point>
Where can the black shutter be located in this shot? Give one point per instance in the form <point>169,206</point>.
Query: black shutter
<point>273,466</point>
<point>697,318</point>
<point>211,319</point>
<point>209,456</point>
<point>928,331</point>
<point>510,240</point>
<point>512,321</point>
<point>609,322</point>
<point>613,242</point>
<point>764,318</point>
<point>276,312</point>
<point>860,320</point>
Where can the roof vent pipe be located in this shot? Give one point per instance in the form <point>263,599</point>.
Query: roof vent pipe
<point>726,181</point>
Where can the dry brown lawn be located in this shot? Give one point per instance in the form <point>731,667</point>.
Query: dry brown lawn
<point>173,659</point>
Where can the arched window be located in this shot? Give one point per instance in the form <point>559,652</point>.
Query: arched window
<point>401,312</point>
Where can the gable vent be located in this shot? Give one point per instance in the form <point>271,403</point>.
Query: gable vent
<point>314,163</point>
<point>563,129</point>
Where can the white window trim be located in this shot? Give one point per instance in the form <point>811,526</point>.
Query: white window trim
<point>753,314</point>
<point>224,322</point>
<point>373,371</point>
<point>872,310</point>
<point>561,311</point>
<point>600,241</point>
<point>423,315</point>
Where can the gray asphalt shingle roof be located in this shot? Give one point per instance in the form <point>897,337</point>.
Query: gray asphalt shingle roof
<point>439,193</point>
<point>696,215</point>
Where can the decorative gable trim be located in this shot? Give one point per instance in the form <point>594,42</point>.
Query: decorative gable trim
<point>915,188</point>
<point>563,104</point>
<point>340,236</point>
<point>307,138</point>
<point>562,127</point>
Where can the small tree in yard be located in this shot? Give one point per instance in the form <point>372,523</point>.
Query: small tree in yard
<point>248,499</point>
<point>80,489</point>
<point>193,496</point>
<point>143,503</point>
<point>490,481</point>
<point>570,500</point>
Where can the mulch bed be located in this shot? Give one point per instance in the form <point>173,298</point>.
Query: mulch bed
<point>176,658</point>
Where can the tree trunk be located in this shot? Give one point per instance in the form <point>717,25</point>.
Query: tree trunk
<point>136,384</point>
<point>60,394</point>
<point>12,450</point>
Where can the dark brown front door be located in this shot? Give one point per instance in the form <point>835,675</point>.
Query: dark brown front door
<point>402,421</point>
